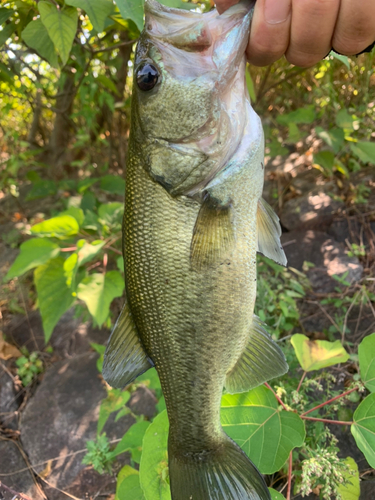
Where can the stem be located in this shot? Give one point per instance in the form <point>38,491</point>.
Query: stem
<point>276,396</point>
<point>326,421</point>
<point>300,382</point>
<point>289,476</point>
<point>68,249</point>
<point>114,250</point>
<point>330,401</point>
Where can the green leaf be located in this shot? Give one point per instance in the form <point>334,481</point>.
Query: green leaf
<point>75,212</point>
<point>250,85</point>
<point>317,354</point>
<point>153,470</point>
<point>33,253</point>
<point>363,428</point>
<point>87,251</point>
<point>84,184</point>
<point>128,485</point>
<point>365,151</point>
<point>5,14</point>
<point>265,433</point>
<point>41,189</point>
<point>6,32</point>
<point>100,349</point>
<point>115,400</point>
<point>113,184</point>
<point>341,58</point>
<point>334,137</point>
<point>275,495</point>
<point>132,440</point>
<point>36,36</point>
<point>98,291</point>
<point>132,9</point>
<point>70,270</point>
<point>57,227</point>
<point>97,10</point>
<point>366,354</point>
<point>300,115</point>
<point>150,379</point>
<point>351,490</point>
<point>54,296</point>
<point>109,85</point>
<point>325,159</point>
<point>344,119</point>
<point>61,24</point>
<point>111,213</point>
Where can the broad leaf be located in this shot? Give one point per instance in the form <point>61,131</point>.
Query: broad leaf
<point>111,213</point>
<point>6,32</point>
<point>366,354</point>
<point>33,253</point>
<point>351,490</point>
<point>54,296</point>
<point>41,189</point>
<point>344,119</point>
<point>36,36</point>
<point>153,470</point>
<point>98,291</point>
<point>275,495</point>
<point>75,212</point>
<point>132,9</point>
<point>334,137</point>
<point>87,251</point>
<point>325,160</point>
<point>341,58</point>
<point>70,271</point>
<point>61,24</point>
<point>132,441</point>
<point>317,354</point>
<point>265,433</point>
<point>57,227</point>
<point>113,184</point>
<point>97,10</point>
<point>5,14</point>
<point>363,428</point>
<point>115,400</point>
<point>300,115</point>
<point>150,379</point>
<point>365,151</point>
<point>128,485</point>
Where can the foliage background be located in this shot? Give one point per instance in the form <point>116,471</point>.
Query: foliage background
<point>65,93</point>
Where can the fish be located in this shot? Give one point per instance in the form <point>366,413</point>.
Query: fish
<point>194,221</point>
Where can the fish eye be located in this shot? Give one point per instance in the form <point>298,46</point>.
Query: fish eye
<point>147,76</point>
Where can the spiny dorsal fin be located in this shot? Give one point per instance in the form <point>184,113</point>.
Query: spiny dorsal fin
<point>269,232</point>
<point>125,358</point>
<point>213,234</point>
<point>261,360</point>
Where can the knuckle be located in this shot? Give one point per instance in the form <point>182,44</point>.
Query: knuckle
<point>351,45</point>
<point>303,59</point>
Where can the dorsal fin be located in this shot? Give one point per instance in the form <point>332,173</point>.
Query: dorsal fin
<point>125,358</point>
<point>261,360</point>
<point>269,232</point>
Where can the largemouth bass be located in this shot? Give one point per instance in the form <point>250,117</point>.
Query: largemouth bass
<point>194,220</point>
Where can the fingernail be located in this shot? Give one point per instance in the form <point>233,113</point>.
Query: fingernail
<point>276,11</point>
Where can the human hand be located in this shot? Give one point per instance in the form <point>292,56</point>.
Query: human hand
<point>306,30</point>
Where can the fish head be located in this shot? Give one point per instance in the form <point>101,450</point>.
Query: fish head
<point>189,92</point>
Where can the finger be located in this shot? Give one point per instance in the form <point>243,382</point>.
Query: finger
<point>313,24</point>
<point>355,28</point>
<point>269,34</point>
<point>223,5</point>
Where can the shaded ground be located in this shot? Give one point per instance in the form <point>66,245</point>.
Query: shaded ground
<point>44,428</point>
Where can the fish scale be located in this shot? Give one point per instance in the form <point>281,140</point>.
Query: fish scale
<point>191,232</point>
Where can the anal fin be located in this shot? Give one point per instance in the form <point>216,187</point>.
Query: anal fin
<point>269,232</point>
<point>125,358</point>
<point>261,360</point>
<point>213,234</point>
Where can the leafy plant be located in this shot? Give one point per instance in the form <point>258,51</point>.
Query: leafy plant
<point>28,367</point>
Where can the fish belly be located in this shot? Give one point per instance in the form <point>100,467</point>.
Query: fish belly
<point>193,324</point>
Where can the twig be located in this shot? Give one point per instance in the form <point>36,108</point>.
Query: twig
<point>330,401</point>
<point>289,476</point>
<point>300,382</point>
<point>353,301</point>
<point>21,495</point>
<point>326,420</point>
<point>276,396</point>
<point>113,47</point>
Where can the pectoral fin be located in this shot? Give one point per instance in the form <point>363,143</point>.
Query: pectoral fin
<point>261,360</point>
<point>125,358</point>
<point>213,235</point>
<point>269,232</point>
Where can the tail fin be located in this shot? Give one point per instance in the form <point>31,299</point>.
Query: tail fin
<point>223,474</point>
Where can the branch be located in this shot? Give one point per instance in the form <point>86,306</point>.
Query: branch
<point>326,420</point>
<point>276,396</point>
<point>330,401</point>
<point>114,47</point>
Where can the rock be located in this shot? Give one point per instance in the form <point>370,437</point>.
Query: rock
<point>11,460</point>
<point>61,417</point>
<point>367,490</point>
<point>70,336</point>
<point>328,256</point>
<point>352,230</point>
<point>8,400</point>
<point>313,210</point>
